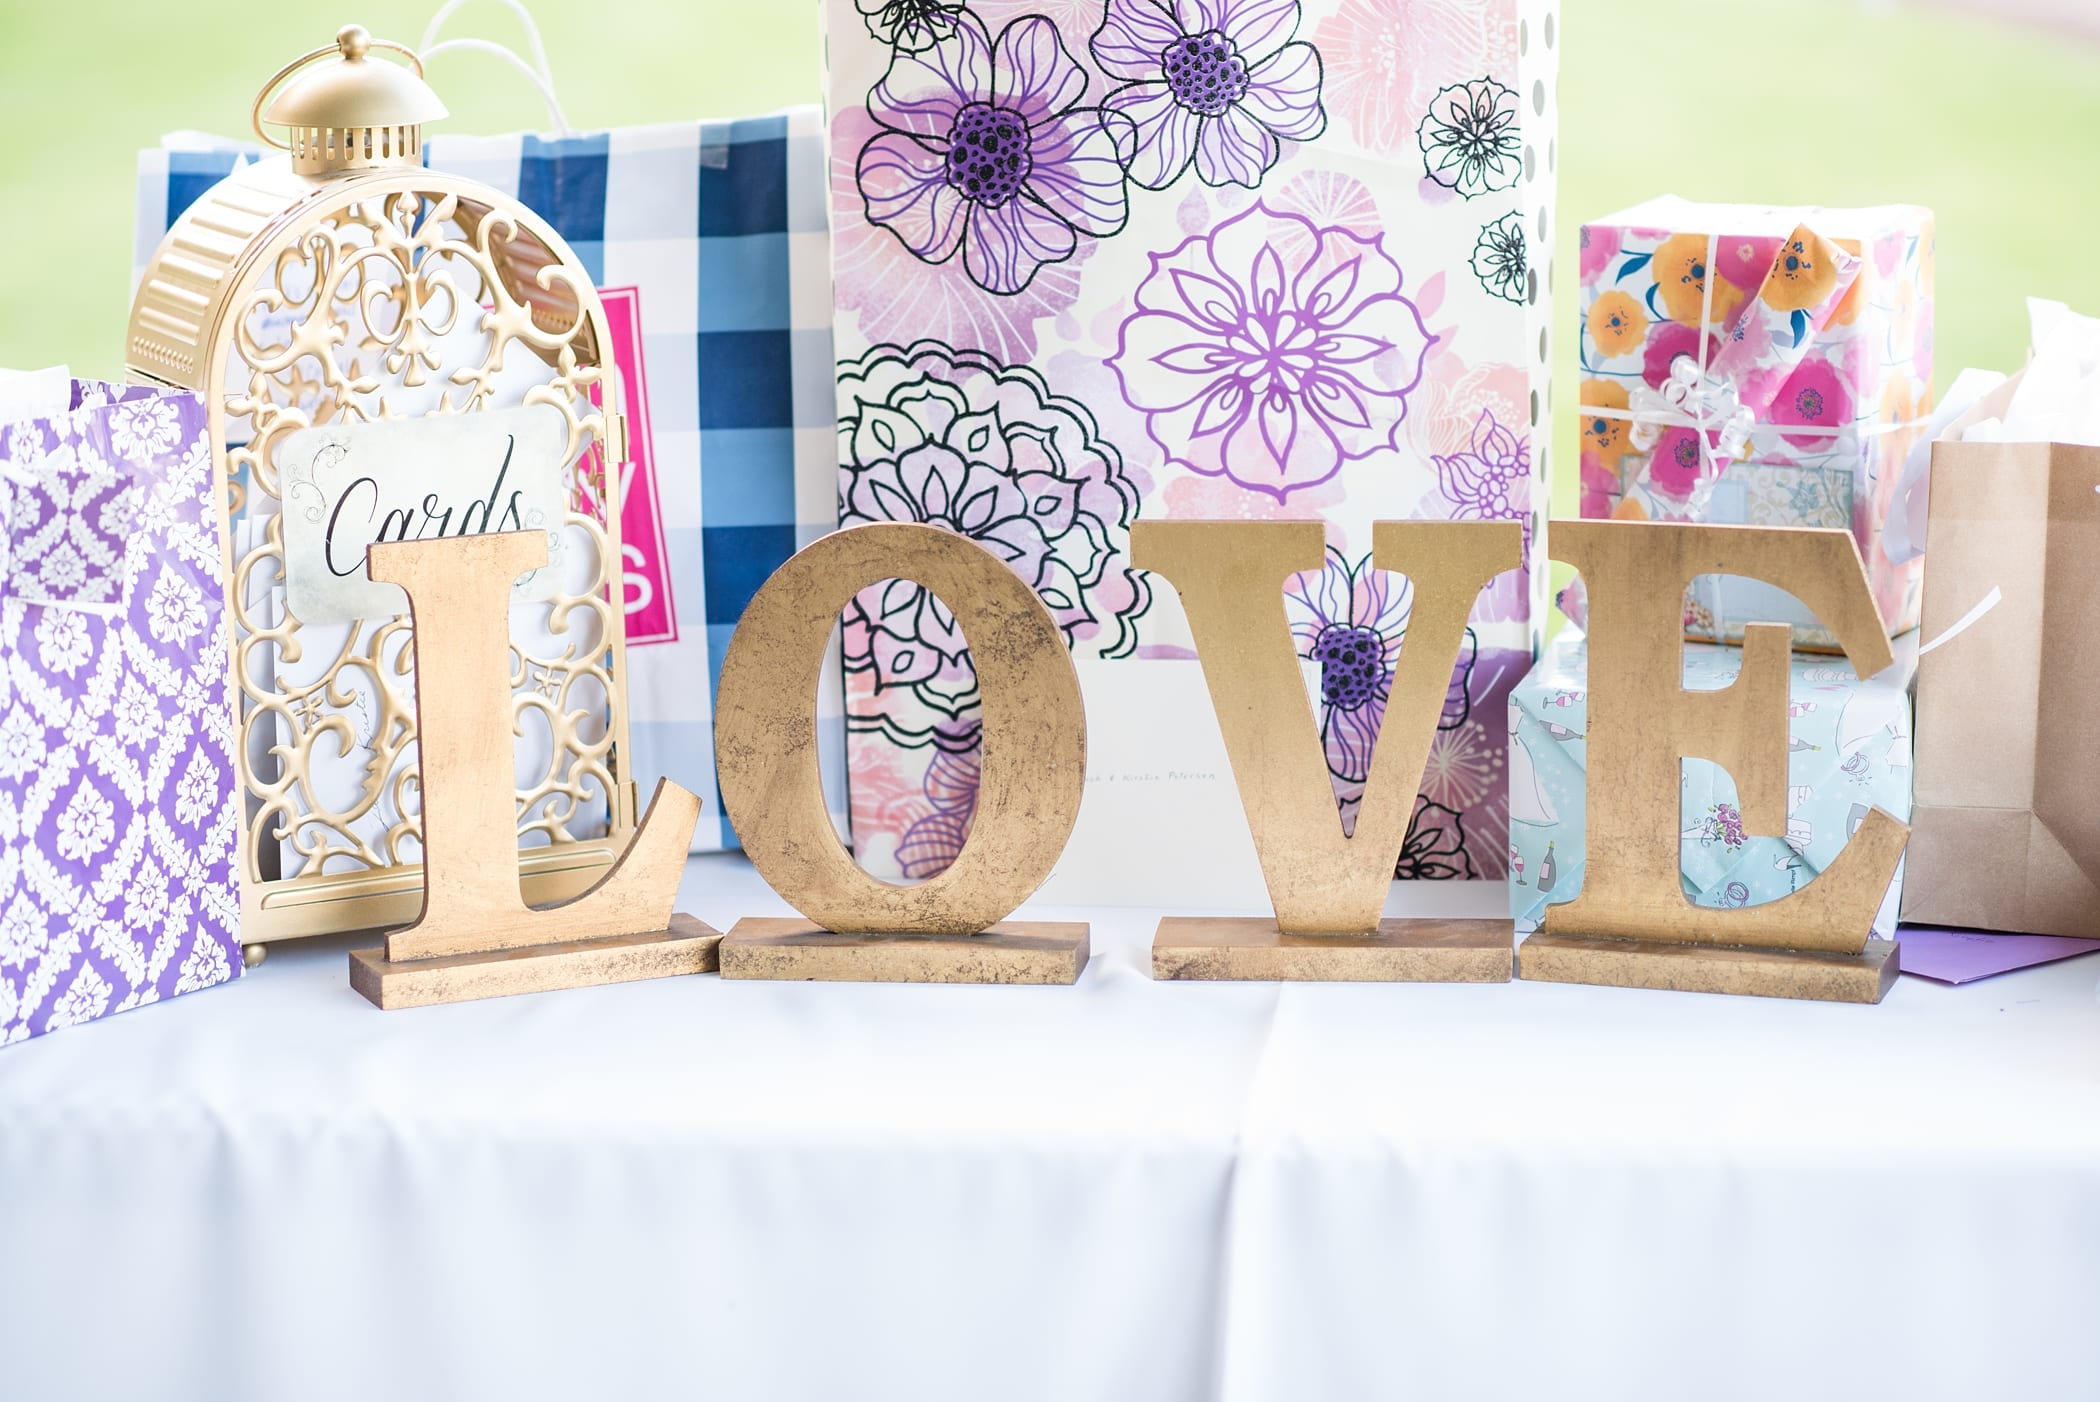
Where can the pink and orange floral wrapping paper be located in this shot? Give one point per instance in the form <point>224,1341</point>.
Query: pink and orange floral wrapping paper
<point>1758,366</point>
<point>1098,260</point>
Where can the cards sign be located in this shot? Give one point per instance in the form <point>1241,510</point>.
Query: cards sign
<point>350,486</point>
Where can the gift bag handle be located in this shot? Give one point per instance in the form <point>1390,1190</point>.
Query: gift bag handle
<point>538,72</point>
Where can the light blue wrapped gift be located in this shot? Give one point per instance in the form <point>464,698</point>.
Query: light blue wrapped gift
<point>1851,751</point>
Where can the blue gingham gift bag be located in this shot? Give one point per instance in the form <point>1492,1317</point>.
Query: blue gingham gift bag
<point>707,243</point>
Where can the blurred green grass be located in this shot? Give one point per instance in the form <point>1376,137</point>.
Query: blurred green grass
<point>1786,101</point>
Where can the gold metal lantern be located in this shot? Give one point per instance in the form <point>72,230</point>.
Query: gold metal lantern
<point>341,289</point>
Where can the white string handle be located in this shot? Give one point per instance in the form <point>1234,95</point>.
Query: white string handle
<point>1969,619</point>
<point>538,72</point>
<point>525,22</point>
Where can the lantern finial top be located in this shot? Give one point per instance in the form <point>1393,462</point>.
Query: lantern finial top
<point>351,114</point>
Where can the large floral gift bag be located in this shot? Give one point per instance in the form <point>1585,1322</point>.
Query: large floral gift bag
<point>118,814</point>
<point>1098,260</point>
<point>1757,366</point>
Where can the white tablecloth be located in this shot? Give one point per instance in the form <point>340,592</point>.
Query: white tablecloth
<point>1121,1191</point>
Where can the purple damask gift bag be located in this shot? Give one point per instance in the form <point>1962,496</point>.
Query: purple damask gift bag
<point>118,811</point>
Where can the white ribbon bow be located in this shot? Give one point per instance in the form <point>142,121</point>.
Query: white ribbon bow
<point>1694,399</point>
<point>1697,399</point>
<point>1708,405</point>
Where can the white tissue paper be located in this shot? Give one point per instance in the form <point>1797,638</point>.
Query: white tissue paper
<point>35,394</point>
<point>2058,401</point>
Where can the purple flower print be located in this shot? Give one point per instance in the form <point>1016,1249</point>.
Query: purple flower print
<point>984,149</point>
<point>912,25</point>
<point>1468,768</point>
<point>1722,824</point>
<point>1500,259</point>
<point>1272,350</point>
<point>932,843</point>
<point>1351,619</point>
<point>1491,480</point>
<point>1436,846</point>
<point>1471,141</point>
<point>1217,82</point>
<point>951,438</point>
<point>899,298</point>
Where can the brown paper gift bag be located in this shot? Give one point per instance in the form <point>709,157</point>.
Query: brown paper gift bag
<point>2005,832</point>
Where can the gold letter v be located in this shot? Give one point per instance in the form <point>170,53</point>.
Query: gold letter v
<point>1230,576</point>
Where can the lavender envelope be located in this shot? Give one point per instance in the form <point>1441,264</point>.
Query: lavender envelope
<point>118,813</point>
<point>1963,956</point>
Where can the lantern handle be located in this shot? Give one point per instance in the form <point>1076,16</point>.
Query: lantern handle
<point>350,42</point>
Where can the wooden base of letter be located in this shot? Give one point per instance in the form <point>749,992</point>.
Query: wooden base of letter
<point>1255,949</point>
<point>1705,968</point>
<point>1014,951</point>
<point>687,947</point>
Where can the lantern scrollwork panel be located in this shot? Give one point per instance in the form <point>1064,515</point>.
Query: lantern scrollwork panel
<point>344,285</point>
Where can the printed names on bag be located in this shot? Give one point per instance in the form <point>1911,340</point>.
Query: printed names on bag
<point>652,614</point>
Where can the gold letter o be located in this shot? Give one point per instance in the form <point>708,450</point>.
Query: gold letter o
<point>1034,768</point>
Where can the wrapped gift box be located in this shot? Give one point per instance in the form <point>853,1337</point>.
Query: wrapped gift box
<point>1850,752</point>
<point>1100,262</point>
<point>1757,366</point>
<point>118,814</point>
